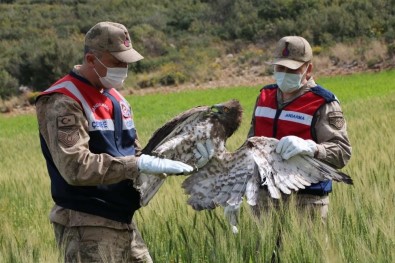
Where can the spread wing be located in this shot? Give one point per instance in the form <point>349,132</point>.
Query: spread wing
<point>221,182</point>
<point>180,138</point>
<point>286,176</point>
<point>231,176</point>
<point>165,142</point>
<point>174,126</point>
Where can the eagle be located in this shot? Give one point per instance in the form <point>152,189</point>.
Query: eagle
<point>178,139</point>
<point>228,177</point>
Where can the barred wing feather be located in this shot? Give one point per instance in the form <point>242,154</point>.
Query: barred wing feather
<point>287,176</point>
<point>221,182</point>
<point>169,138</point>
<point>231,176</point>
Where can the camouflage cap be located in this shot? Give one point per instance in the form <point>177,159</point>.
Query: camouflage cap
<point>112,37</point>
<point>292,52</point>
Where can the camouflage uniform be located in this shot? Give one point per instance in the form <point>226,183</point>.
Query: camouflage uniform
<point>86,244</point>
<point>333,148</point>
<point>81,234</point>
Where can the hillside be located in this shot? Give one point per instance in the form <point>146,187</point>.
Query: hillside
<point>190,43</point>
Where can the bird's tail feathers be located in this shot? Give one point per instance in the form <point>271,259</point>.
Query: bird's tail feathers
<point>148,185</point>
<point>231,213</point>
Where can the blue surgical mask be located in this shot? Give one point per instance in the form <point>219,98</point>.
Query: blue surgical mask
<point>288,82</point>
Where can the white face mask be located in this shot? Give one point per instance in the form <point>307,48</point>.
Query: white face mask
<point>114,77</point>
<point>288,82</point>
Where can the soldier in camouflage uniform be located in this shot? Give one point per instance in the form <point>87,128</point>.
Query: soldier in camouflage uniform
<point>90,144</point>
<point>306,118</point>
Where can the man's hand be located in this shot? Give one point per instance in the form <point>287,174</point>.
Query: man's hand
<point>290,146</point>
<point>155,165</point>
<point>203,152</point>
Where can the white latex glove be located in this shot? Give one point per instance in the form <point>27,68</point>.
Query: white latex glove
<point>155,165</point>
<point>291,145</point>
<point>203,152</point>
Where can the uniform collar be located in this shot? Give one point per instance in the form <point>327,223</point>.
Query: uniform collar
<point>305,88</point>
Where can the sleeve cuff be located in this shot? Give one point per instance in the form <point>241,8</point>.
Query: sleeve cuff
<point>320,153</point>
<point>131,168</point>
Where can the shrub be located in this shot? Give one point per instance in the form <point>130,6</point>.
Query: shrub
<point>375,53</point>
<point>38,69</point>
<point>169,74</point>
<point>8,85</point>
<point>316,50</point>
<point>172,78</point>
<point>149,41</point>
<point>146,81</point>
<point>391,50</point>
<point>343,54</point>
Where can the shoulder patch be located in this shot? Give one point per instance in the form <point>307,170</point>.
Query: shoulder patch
<point>125,109</point>
<point>336,119</point>
<point>66,121</point>
<point>68,137</point>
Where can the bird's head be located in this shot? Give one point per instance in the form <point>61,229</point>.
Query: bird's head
<point>229,114</point>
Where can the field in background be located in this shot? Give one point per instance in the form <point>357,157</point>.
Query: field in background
<point>361,225</point>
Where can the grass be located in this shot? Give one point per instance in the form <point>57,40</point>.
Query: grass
<point>361,223</point>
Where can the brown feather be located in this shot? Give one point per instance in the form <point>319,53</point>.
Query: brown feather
<point>177,138</point>
<point>160,134</point>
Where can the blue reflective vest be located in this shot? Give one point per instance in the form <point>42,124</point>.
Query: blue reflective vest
<point>111,131</point>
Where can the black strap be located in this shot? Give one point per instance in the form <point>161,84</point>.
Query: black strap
<point>117,116</point>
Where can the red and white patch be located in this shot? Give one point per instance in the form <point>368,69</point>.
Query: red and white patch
<point>126,43</point>
<point>125,109</point>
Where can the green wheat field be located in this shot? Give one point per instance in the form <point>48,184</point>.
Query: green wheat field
<point>361,223</point>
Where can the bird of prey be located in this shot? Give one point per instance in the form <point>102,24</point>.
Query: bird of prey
<point>178,139</point>
<point>230,176</point>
